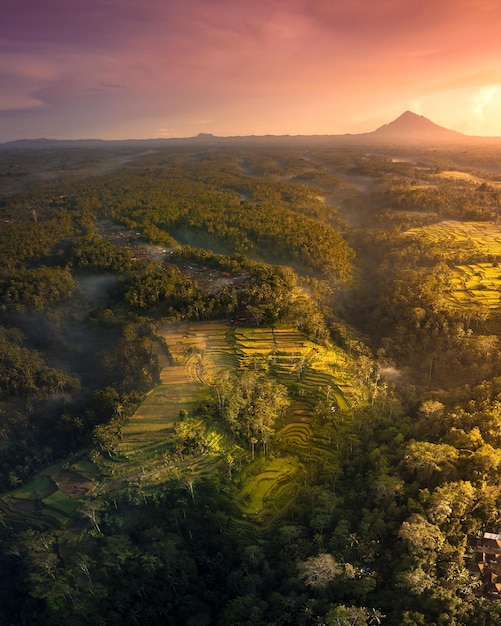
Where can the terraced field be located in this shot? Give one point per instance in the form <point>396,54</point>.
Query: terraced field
<point>262,494</point>
<point>52,498</point>
<point>485,235</point>
<point>477,284</point>
<point>194,355</point>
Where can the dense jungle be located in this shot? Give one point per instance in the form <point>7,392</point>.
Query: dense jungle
<point>249,381</point>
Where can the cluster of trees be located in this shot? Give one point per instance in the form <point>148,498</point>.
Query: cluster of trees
<point>29,242</point>
<point>250,404</point>
<point>36,288</point>
<point>445,198</point>
<point>151,286</point>
<point>168,203</point>
<point>252,291</point>
<point>132,364</point>
<point>89,251</point>
<point>416,327</point>
<point>56,351</point>
<point>410,319</point>
<point>47,413</point>
<point>23,372</point>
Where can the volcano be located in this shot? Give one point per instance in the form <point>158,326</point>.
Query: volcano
<point>412,128</point>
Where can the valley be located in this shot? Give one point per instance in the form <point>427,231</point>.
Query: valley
<point>228,366</point>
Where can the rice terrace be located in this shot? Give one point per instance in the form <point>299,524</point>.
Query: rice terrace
<point>472,284</point>
<point>192,356</point>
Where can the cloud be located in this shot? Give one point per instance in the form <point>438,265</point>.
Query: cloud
<point>10,100</point>
<point>483,98</point>
<point>316,65</point>
<point>167,132</point>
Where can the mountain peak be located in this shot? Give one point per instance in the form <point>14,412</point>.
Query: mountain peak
<point>415,128</point>
<point>410,115</point>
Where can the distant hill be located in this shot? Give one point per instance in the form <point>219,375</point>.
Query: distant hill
<point>44,144</point>
<point>409,128</point>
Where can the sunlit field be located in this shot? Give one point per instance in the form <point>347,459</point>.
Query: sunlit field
<point>197,353</point>
<point>475,284</point>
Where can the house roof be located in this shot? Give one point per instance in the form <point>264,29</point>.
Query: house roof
<point>493,536</point>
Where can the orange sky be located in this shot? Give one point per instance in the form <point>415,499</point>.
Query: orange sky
<point>165,68</point>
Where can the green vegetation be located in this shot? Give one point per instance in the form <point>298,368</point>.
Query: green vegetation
<point>253,382</point>
<point>473,285</point>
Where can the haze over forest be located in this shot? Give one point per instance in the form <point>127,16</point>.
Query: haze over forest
<point>251,379</point>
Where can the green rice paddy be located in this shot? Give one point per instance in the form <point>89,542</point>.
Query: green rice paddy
<point>197,354</point>
<point>193,355</point>
<point>52,498</point>
<point>475,284</point>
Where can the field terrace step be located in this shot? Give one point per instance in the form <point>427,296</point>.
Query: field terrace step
<point>266,496</point>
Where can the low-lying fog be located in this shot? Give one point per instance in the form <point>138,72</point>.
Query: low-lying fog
<point>95,286</point>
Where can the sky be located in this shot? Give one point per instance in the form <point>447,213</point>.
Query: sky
<point>119,69</point>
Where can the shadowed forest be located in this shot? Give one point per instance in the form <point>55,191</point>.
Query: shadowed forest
<point>249,382</point>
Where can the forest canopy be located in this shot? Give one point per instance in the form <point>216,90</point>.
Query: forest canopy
<point>250,382</point>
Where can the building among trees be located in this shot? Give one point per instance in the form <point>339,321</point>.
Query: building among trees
<point>487,565</point>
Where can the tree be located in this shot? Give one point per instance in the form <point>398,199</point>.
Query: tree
<point>318,571</point>
<point>250,404</point>
<point>90,510</point>
<point>388,488</point>
<point>107,436</point>
<point>431,409</point>
<point>450,501</point>
<point>422,539</point>
<point>342,615</point>
<point>483,464</point>
<point>427,460</point>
